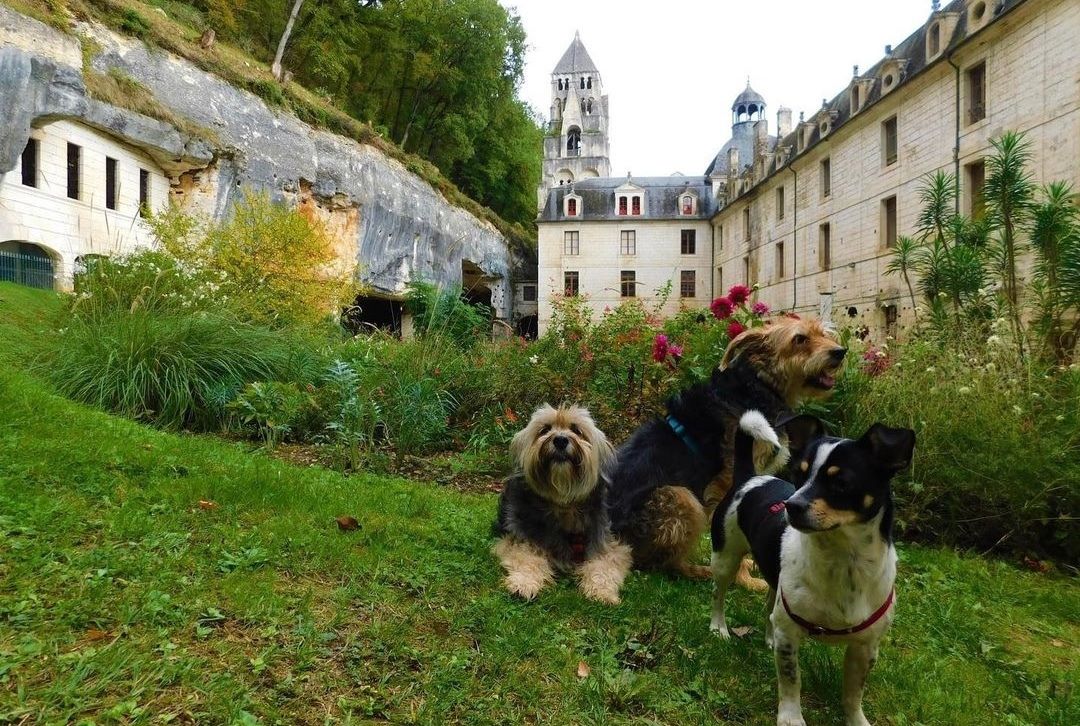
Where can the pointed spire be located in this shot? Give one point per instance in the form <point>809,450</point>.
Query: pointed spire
<point>576,59</point>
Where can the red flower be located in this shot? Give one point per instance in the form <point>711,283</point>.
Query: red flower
<point>734,329</point>
<point>659,348</point>
<point>675,351</point>
<point>760,309</point>
<point>739,294</point>
<point>722,308</point>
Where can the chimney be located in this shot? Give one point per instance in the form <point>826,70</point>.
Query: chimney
<point>783,121</point>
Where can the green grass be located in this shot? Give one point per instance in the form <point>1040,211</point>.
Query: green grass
<point>124,601</point>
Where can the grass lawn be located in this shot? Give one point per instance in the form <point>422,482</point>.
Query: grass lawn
<point>123,600</point>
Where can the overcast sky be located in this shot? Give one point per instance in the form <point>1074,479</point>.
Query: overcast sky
<point>671,69</point>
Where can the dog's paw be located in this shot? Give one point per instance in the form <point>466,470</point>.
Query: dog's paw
<point>607,598</point>
<point>785,718</point>
<point>857,719</point>
<point>720,631</point>
<point>526,588</point>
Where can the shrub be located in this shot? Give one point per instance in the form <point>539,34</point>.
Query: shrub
<point>996,461</point>
<point>171,369</point>
<point>273,266</point>
<point>440,311</point>
<point>274,410</point>
<point>353,415</point>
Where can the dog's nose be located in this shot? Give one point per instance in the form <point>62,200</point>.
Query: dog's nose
<point>838,354</point>
<point>795,507</point>
<point>561,442</point>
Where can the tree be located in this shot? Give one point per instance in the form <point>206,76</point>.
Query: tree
<point>1009,194</point>
<point>275,67</point>
<point>906,259</point>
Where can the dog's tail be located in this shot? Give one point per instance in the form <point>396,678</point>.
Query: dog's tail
<point>753,426</point>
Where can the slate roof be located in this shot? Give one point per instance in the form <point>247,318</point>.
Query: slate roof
<point>576,59</point>
<point>747,97</point>
<point>912,49</point>
<point>661,198</point>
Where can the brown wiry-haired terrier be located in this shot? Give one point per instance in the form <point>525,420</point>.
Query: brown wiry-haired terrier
<point>673,471</point>
<point>552,512</point>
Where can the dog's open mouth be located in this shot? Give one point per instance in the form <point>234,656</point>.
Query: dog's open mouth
<point>560,456</point>
<point>825,380</point>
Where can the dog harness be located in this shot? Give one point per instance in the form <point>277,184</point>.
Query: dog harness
<point>683,434</point>
<point>814,629</point>
<point>577,547</point>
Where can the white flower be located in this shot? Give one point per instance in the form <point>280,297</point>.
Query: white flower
<point>1060,417</point>
<point>534,359</point>
<point>963,390</point>
<point>1034,394</point>
<point>990,366</point>
<point>994,340</point>
<point>1017,410</point>
<point>931,369</point>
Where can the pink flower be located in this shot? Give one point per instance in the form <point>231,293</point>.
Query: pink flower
<point>675,351</point>
<point>739,294</point>
<point>659,348</point>
<point>722,308</point>
<point>734,328</point>
<point>760,309</point>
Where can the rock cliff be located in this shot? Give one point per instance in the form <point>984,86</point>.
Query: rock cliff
<point>396,225</point>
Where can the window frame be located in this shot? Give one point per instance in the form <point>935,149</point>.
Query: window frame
<point>688,241</point>
<point>686,276</point>
<point>528,293</point>
<point>889,159</point>
<point>112,183</point>
<point>571,283</point>
<point>780,262</point>
<point>571,242</point>
<point>74,171</point>
<point>889,222</point>
<point>627,283</point>
<point>31,171</point>
<point>825,246</point>
<point>144,193</point>
<point>628,242</point>
<point>825,168</point>
<point>780,202</point>
<point>970,107</point>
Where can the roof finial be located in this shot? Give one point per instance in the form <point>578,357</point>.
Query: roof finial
<point>748,81</point>
<point>935,5</point>
<point>577,35</point>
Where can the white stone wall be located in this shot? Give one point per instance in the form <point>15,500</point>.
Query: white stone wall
<point>599,264</point>
<point>1033,85</point>
<point>68,228</point>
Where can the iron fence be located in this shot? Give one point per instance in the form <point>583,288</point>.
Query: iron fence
<point>28,269</point>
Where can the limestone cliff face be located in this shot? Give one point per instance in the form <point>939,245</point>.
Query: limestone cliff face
<point>395,224</point>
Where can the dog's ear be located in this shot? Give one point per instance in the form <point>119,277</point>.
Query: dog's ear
<point>891,448</point>
<point>802,430</point>
<point>605,452</point>
<point>523,439</point>
<point>747,344</point>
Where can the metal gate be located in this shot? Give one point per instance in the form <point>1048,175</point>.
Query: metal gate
<point>30,266</point>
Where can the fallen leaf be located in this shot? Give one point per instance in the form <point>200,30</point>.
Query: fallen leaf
<point>583,669</point>
<point>1057,643</point>
<point>1036,565</point>
<point>94,634</point>
<point>347,524</point>
<point>207,504</point>
<point>742,631</point>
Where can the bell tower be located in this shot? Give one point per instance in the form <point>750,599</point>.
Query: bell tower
<point>576,140</point>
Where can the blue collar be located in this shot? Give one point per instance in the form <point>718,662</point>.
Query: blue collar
<point>681,432</point>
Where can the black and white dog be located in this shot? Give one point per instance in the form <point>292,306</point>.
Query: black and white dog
<point>824,545</point>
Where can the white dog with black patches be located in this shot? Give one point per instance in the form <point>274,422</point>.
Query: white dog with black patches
<point>824,544</point>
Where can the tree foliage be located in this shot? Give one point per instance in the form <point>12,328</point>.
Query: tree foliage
<point>437,77</point>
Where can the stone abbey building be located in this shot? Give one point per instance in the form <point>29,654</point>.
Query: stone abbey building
<point>810,210</point>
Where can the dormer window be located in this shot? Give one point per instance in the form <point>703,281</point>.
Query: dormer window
<point>892,73</point>
<point>933,41</point>
<point>977,16</point>
<point>686,204</point>
<point>635,206</point>
<point>622,206</point>
<point>572,204</point>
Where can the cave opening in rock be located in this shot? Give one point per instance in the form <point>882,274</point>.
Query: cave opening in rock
<point>368,314</point>
<point>475,284</point>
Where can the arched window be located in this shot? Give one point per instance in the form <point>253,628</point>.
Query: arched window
<point>636,206</point>
<point>560,84</point>
<point>588,83</point>
<point>934,43</point>
<point>622,205</point>
<point>573,141</point>
<point>588,106</point>
<point>583,83</point>
<point>571,207</point>
<point>687,204</point>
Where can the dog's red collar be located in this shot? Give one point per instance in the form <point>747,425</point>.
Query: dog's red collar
<point>577,547</point>
<point>814,629</point>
